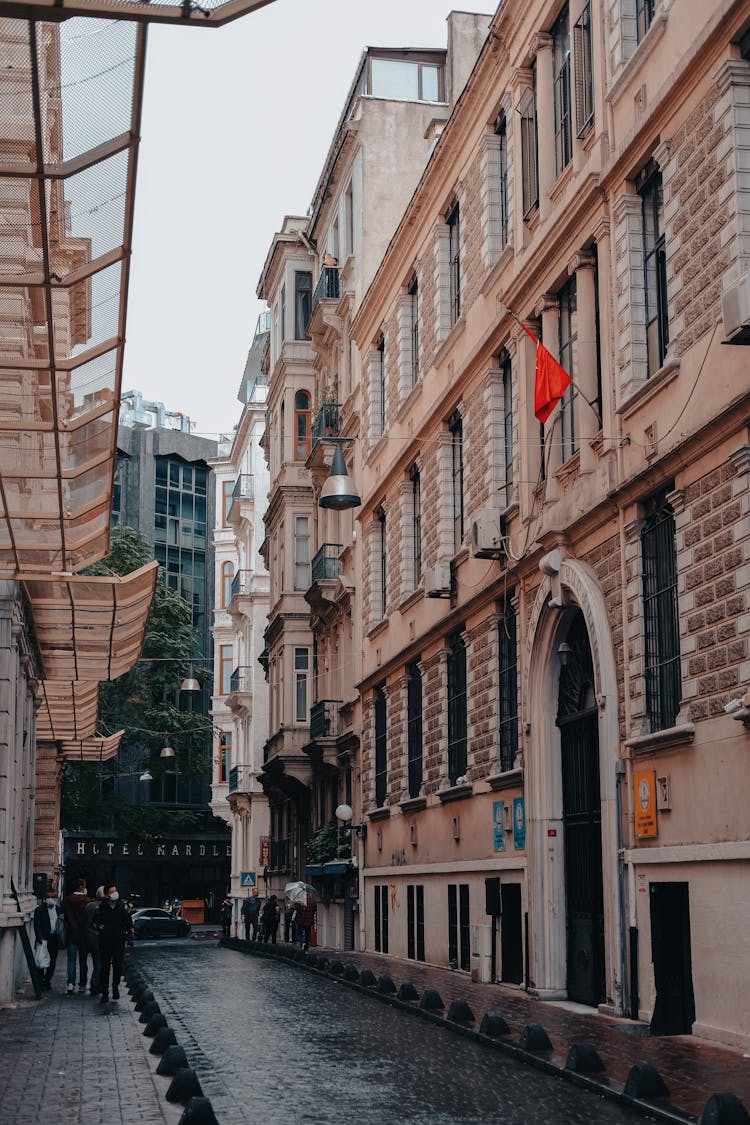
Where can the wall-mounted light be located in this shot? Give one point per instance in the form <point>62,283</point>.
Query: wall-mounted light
<point>345,814</point>
<point>338,493</point>
<point>564,652</point>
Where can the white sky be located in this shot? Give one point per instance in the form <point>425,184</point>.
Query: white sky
<point>236,126</point>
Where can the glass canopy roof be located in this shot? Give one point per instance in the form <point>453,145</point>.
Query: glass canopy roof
<point>201,13</point>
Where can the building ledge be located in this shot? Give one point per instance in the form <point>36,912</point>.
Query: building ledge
<point>650,387</point>
<point>412,805</point>
<point>669,739</point>
<point>382,813</point>
<point>510,779</point>
<point>455,792</point>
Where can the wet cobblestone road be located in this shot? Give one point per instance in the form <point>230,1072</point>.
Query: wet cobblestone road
<point>277,1044</point>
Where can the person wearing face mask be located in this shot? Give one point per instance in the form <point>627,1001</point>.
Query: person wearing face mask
<point>90,936</point>
<point>115,930</point>
<point>72,906</point>
<point>45,929</point>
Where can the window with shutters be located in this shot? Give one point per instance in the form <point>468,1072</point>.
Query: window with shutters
<point>414,729</point>
<point>454,261</point>
<point>457,740</point>
<point>584,71</point>
<point>529,153</point>
<point>567,345</point>
<point>381,748</point>
<point>644,16</point>
<point>508,676</point>
<point>561,88</point>
<point>654,267</point>
<point>661,615</point>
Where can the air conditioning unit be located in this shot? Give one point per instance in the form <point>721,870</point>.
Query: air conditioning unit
<point>487,534</point>
<point>735,311</point>
<point>437,580</point>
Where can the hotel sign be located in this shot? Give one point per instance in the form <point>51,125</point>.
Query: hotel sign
<point>101,848</point>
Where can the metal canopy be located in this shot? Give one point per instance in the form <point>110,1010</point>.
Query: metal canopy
<point>70,104</point>
<point>91,629</point>
<point>201,13</point>
<point>68,710</point>
<point>91,749</point>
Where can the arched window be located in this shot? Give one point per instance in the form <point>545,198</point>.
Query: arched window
<point>301,426</point>
<point>227,574</point>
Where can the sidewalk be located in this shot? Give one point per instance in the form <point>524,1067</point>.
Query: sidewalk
<point>693,1069</point>
<point>70,1060</point>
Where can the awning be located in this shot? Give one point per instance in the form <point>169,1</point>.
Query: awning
<point>91,629</point>
<point>92,749</point>
<point>70,105</point>
<point>199,13</point>
<point>68,710</point>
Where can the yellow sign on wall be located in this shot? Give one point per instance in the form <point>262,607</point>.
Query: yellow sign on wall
<point>644,786</point>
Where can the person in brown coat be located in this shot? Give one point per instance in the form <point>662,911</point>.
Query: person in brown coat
<point>304,921</point>
<point>73,905</point>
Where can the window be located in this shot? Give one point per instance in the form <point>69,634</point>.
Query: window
<point>282,314</point>
<point>415,922</point>
<point>349,219</point>
<point>654,268</point>
<point>226,662</point>
<point>380,392</point>
<point>302,300</point>
<point>508,676</point>
<point>302,427</point>
<point>507,370</point>
<point>644,15</point>
<point>529,154</point>
<point>414,315</point>
<point>661,615</point>
<point>334,241</point>
<point>382,563</point>
<point>227,487</point>
<point>501,133</point>
<point>381,918</point>
<point>225,756</point>
<point>227,576</point>
<point>561,87</point>
<point>301,552</point>
<point>567,342</point>
<point>584,70</point>
<point>381,749</point>
<point>301,668</point>
<point>405,80</point>
<point>459,951</point>
<point>414,729</point>
<point>416,525</point>
<point>456,709</point>
<point>454,261</point>
<point>457,480</point>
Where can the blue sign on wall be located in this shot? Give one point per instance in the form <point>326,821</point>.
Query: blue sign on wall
<point>519,823</point>
<point>498,825</point>
<point>248,879</point>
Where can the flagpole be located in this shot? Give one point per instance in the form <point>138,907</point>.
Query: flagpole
<point>573,384</point>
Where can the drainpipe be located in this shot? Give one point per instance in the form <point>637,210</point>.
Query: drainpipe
<point>620,768</point>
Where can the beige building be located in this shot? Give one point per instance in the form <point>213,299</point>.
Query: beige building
<point>555,730</point>
<point>240,613</point>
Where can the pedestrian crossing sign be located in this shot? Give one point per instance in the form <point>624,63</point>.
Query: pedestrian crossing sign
<point>248,879</point>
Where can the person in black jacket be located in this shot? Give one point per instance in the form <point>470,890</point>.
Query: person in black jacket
<point>45,929</point>
<point>115,930</point>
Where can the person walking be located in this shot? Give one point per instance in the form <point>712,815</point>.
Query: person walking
<point>90,937</point>
<point>115,931</point>
<point>73,905</point>
<point>45,929</point>
<point>304,921</point>
<point>250,915</point>
<point>289,921</point>
<point>226,917</point>
<point>270,919</point>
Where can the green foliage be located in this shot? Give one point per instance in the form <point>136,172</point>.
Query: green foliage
<point>145,703</point>
<point>325,844</point>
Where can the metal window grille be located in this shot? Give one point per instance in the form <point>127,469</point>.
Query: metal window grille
<point>654,270</point>
<point>452,926</point>
<point>456,710</point>
<point>415,922</point>
<point>529,154</point>
<point>416,525</point>
<point>661,617</point>
<point>457,475</point>
<point>454,261</point>
<point>584,71</point>
<point>507,369</point>
<point>644,15</point>
<point>381,749</point>
<point>414,294</point>
<point>561,88</point>
<point>502,135</point>
<point>414,730</point>
<point>567,343</point>
<point>508,661</point>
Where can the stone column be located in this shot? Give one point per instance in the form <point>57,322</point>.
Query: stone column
<point>549,310</point>
<point>528,446</point>
<point>545,117</point>
<point>585,373</point>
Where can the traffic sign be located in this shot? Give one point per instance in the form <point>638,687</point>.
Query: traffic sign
<point>248,879</point>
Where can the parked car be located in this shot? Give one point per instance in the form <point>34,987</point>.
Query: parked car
<point>152,922</point>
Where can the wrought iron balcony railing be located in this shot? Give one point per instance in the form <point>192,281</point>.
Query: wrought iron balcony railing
<point>327,288</point>
<point>324,718</point>
<point>327,421</point>
<point>241,584</point>
<point>243,487</point>
<point>326,562</point>
<point>241,681</point>
<point>240,779</point>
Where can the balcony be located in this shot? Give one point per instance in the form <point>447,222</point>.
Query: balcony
<point>244,489</point>
<point>241,681</point>
<point>241,780</point>
<point>326,563</point>
<point>327,422</point>
<point>328,288</point>
<point>241,586</point>
<point>324,719</point>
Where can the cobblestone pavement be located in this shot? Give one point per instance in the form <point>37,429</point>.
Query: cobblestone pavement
<point>692,1068</point>
<point>274,1043</point>
<point>68,1060</point>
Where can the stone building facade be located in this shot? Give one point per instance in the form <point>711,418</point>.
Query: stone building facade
<point>556,618</point>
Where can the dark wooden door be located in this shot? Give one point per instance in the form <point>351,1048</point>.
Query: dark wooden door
<point>511,967</point>
<point>674,1010</point>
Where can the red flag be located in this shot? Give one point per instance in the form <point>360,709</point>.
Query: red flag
<point>551,383</point>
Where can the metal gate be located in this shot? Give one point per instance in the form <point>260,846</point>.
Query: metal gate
<point>579,736</point>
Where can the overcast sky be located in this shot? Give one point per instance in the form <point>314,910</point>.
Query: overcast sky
<point>236,125</point>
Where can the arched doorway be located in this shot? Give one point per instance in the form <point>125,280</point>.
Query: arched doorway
<point>578,721</point>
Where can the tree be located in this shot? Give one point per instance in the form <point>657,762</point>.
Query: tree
<point>145,702</point>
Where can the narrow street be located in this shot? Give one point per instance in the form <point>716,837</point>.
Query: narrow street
<point>271,1042</point>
